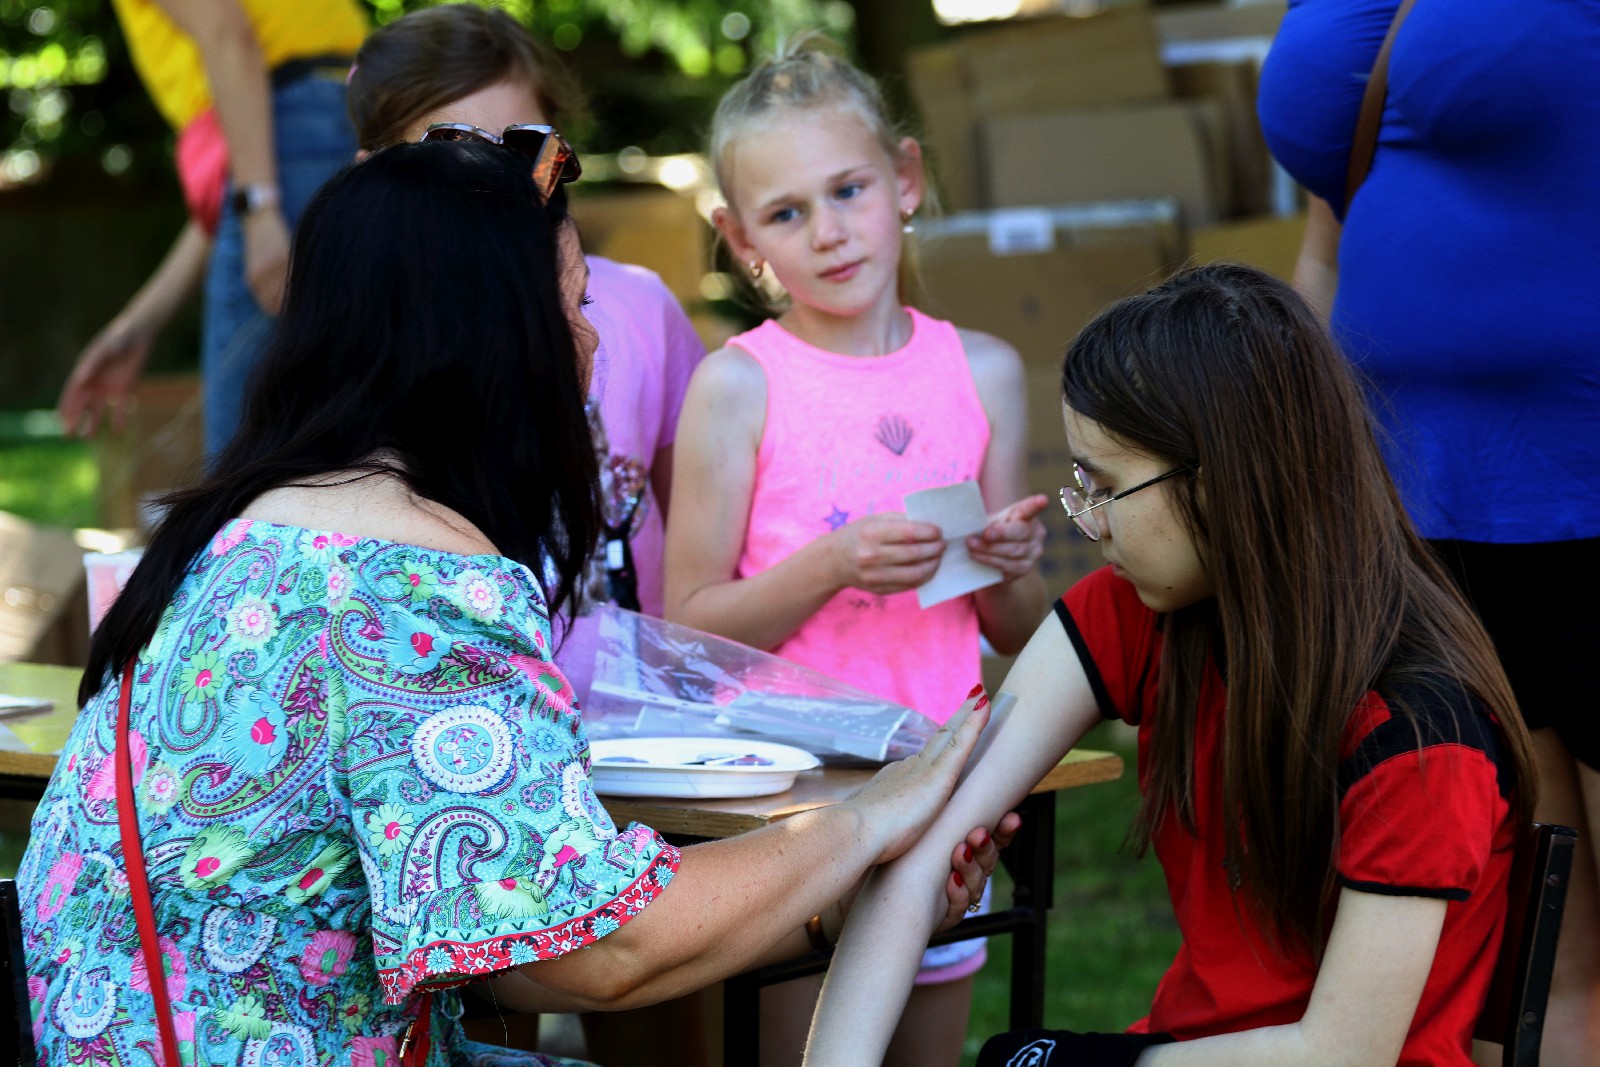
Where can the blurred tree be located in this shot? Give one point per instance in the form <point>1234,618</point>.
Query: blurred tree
<point>89,200</point>
<point>75,109</point>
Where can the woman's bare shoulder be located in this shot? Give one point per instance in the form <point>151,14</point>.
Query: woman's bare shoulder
<point>378,505</point>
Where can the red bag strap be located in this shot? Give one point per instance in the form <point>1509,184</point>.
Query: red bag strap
<point>414,1047</point>
<point>144,912</point>
<point>1365,143</point>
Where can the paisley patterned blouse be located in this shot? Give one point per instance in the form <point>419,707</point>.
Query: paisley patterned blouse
<point>359,779</point>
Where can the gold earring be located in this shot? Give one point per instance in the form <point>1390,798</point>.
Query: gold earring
<point>906,215</point>
<point>756,267</point>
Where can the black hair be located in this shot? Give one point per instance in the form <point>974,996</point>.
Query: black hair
<point>423,336</point>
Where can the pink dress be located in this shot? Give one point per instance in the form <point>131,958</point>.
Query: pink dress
<point>846,437</point>
<point>648,350</point>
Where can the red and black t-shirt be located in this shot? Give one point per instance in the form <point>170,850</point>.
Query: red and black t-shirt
<point>1430,821</point>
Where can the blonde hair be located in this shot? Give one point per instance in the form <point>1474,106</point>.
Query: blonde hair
<point>807,73</point>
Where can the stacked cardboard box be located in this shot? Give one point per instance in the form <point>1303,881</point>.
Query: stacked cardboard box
<point>1069,109</point>
<point>1123,104</point>
<point>1214,52</point>
<point>1272,244</point>
<point>1034,277</point>
<point>649,226</point>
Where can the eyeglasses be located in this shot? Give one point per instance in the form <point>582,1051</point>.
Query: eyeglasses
<point>1078,499</point>
<point>554,161</point>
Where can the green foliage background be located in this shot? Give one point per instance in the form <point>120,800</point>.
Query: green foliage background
<point>654,69</point>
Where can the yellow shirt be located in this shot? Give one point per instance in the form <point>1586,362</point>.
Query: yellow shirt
<point>169,63</point>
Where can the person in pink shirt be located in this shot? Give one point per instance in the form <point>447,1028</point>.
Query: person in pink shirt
<point>801,438</point>
<point>459,63</point>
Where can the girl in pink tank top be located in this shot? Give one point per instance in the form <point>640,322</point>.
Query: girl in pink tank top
<point>799,441</point>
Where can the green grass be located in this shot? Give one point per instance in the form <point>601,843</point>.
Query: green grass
<point>1111,933</point>
<point>49,480</point>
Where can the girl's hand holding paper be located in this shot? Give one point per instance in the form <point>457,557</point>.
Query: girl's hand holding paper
<point>1013,540</point>
<point>983,550</point>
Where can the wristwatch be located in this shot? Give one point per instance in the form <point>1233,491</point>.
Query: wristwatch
<point>248,199</point>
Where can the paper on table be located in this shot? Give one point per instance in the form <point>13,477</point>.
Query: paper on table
<point>958,511</point>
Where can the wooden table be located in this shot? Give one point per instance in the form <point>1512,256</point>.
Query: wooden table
<point>29,743</point>
<point>1030,860</point>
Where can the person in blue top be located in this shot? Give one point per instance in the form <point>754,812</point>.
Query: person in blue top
<point>1462,281</point>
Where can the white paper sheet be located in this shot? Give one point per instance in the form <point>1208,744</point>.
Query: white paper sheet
<point>959,513</point>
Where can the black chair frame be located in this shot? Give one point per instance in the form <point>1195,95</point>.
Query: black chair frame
<point>1514,1013</point>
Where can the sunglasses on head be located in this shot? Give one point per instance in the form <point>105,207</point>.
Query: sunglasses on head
<point>554,161</point>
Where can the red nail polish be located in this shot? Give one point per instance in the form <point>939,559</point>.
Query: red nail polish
<point>983,838</point>
<point>966,853</point>
<point>983,702</point>
<point>975,691</point>
<point>960,882</point>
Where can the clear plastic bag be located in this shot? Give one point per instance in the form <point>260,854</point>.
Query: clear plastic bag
<point>654,678</point>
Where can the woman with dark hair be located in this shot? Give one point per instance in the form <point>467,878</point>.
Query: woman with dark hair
<point>1333,768</point>
<point>477,66</point>
<point>323,716</point>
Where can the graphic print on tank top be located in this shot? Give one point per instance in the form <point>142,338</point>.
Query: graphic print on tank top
<point>846,437</point>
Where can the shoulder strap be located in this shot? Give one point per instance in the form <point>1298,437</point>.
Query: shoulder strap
<point>1365,143</point>
<point>138,884</point>
<point>415,1045</point>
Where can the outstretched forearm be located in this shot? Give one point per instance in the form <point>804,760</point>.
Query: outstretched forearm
<point>895,912</point>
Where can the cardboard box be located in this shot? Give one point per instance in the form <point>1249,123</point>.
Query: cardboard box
<point>1231,87</point>
<point>44,613</point>
<point>942,86</point>
<point>161,448</point>
<point>1053,63</point>
<point>1158,149</point>
<point>651,227</point>
<point>1034,277</point>
<point>1271,244</point>
<point>1218,22</point>
<point>1215,51</point>
<point>1020,68</point>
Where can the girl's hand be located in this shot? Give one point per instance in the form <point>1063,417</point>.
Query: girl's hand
<point>887,553</point>
<point>904,798</point>
<point>104,377</point>
<point>266,258</point>
<point>1014,539</point>
<point>971,864</point>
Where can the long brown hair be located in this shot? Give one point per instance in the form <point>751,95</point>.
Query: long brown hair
<point>424,60</point>
<point>1324,591</point>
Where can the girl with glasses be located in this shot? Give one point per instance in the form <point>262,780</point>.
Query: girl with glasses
<point>1333,768</point>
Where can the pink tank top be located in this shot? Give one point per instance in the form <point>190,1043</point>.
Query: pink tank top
<point>846,437</point>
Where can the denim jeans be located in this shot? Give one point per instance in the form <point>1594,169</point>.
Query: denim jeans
<point>313,139</point>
